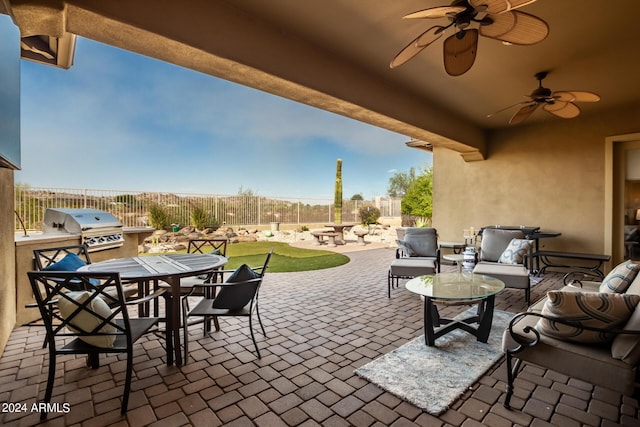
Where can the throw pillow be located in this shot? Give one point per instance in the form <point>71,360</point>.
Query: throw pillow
<point>592,309</point>
<point>71,262</point>
<point>406,248</point>
<point>85,320</point>
<point>515,252</point>
<point>619,279</point>
<point>235,297</point>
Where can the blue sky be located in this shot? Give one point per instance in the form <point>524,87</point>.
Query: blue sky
<point>121,121</point>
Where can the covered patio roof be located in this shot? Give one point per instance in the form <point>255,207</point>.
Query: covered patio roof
<point>335,55</point>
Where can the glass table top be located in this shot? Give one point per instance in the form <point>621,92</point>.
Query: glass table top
<point>455,286</point>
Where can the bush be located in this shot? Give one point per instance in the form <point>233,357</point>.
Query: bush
<point>202,219</point>
<point>158,217</point>
<point>369,214</point>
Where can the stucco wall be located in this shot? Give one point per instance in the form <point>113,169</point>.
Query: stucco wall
<point>7,261</point>
<point>550,175</point>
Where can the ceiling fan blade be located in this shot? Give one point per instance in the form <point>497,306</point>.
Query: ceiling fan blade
<point>507,108</point>
<point>435,12</point>
<point>516,28</point>
<point>576,96</point>
<point>416,46</point>
<point>499,6</point>
<point>523,114</point>
<point>565,110</point>
<point>460,52</point>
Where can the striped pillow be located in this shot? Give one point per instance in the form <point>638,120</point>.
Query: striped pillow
<point>619,279</point>
<point>593,309</point>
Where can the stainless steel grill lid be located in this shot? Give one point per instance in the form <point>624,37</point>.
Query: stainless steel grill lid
<point>99,229</point>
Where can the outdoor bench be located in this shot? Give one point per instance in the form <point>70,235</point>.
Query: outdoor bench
<point>555,259</point>
<point>330,235</point>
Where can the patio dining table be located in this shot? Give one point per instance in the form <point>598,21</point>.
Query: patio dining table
<point>339,228</point>
<point>168,268</point>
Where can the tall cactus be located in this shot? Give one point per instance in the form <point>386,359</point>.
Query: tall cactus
<point>337,202</point>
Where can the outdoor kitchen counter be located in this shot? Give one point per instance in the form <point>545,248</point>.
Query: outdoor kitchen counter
<point>37,240</point>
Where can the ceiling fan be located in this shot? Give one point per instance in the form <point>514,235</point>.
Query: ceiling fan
<point>560,103</point>
<point>495,19</point>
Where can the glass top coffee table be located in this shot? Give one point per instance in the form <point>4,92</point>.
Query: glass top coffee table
<point>456,288</point>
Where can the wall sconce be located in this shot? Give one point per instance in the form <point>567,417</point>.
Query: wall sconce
<point>637,214</point>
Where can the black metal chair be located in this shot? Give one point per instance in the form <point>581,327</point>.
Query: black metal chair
<point>236,297</point>
<point>96,316</point>
<point>216,246</point>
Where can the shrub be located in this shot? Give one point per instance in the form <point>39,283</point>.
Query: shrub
<point>158,217</point>
<point>369,214</point>
<point>202,219</point>
<point>423,222</point>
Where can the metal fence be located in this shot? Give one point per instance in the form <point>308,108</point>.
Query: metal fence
<point>139,209</point>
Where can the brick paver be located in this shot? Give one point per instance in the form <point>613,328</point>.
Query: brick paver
<point>321,325</point>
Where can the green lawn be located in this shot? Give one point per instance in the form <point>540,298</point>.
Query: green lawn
<point>285,258</point>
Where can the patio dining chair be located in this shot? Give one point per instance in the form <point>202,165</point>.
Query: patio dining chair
<point>71,258</point>
<point>236,297</point>
<point>86,313</point>
<point>217,246</point>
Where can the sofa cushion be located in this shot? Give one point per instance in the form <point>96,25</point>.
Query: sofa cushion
<point>85,320</point>
<point>515,252</point>
<point>495,241</point>
<point>627,347</point>
<point>619,279</point>
<point>412,267</point>
<point>513,275</point>
<point>592,309</point>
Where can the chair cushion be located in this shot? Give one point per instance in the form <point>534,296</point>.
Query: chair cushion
<point>71,262</point>
<point>515,251</point>
<point>407,267</point>
<point>593,309</point>
<point>421,241</point>
<point>237,296</point>
<point>495,241</point>
<point>619,279</point>
<point>627,347</point>
<point>85,320</point>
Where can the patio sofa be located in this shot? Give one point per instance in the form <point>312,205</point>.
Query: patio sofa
<point>586,330</point>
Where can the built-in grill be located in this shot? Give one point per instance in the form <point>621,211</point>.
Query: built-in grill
<point>98,229</point>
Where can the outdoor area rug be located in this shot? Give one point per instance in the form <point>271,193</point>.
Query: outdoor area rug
<point>432,378</point>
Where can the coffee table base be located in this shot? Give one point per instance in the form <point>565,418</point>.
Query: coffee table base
<point>436,326</point>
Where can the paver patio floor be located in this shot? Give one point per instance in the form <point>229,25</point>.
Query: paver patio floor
<point>321,325</point>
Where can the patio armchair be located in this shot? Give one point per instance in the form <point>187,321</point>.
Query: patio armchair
<point>91,309</point>
<point>417,254</point>
<point>506,255</point>
<point>236,297</point>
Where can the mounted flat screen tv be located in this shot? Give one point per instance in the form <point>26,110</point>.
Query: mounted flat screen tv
<point>9,94</point>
